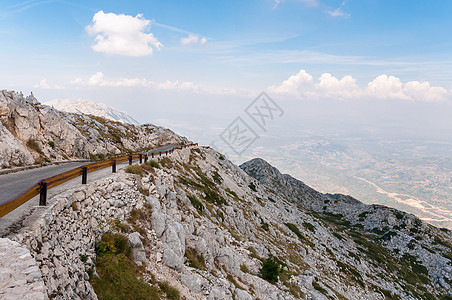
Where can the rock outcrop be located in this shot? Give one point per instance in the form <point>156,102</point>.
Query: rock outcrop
<point>34,133</point>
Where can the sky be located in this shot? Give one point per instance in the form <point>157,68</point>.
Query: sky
<point>195,66</point>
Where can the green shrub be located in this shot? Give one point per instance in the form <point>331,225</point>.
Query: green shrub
<point>113,244</point>
<point>154,164</point>
<point>196,203</point>
<point>271,268</point>
<point>252,186</point>
<point>309,226</point>
<point>51,144</point>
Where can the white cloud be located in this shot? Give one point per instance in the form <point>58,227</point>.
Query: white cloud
<point>307,2</point>
<point>76,81</point>
<point>386,87</point>
<point>303,86</point>
<point>192,39</point>
<point>422,91</point>
<point>331,87</point>
<point>338,11</point>
<point>98,79</point>
<point>122,34</point>
<point>293,85</point>
<point>44,85</point>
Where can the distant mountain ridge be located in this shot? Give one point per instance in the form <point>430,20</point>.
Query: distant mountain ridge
<point>89,107</point>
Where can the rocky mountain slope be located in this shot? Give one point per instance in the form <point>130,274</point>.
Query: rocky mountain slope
<point>34,133</point>
<point>200,227</point>
<point>89,107</point>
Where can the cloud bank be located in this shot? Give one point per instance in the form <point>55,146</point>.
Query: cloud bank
<point>99,80</point>
<point>302,85</point>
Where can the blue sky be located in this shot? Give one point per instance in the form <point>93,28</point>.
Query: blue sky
<point>172,61</point>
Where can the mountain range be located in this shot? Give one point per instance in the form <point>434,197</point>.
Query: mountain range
<point>89,107</point>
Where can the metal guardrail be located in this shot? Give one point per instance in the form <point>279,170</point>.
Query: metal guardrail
<point>43,185</point>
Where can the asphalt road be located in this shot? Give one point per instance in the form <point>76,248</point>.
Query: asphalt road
<point>14,184</point>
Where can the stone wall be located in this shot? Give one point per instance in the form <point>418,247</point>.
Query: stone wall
<point>20,278</point>
<point>63,239</point>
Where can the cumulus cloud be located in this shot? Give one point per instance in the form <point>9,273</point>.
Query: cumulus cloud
<point>302,85</point>
<point>386,87</point>
<point>293,85</point>
<point>44,85</point>
<point>122,34</point>
<point>330,86</point>
<point>192,39</point>
<point>423,91</point>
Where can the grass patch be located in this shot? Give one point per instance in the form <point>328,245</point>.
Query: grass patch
<point>118,273</point>
<point>351,272</point>
<point>217,177</point>
<point>166,162</point>
<point>196,203</point>
<point>232,280</point>
<point>135,169</point>
<point>33,145</point>
<point>195,259</point>
<point>317,286</point>
<point>154,164</point>
<point>170,292</point>
<point>244,269</point>
<point>309,226</point>
<point>96,157</point>
<point>253,252</point>
<point>340,237</point>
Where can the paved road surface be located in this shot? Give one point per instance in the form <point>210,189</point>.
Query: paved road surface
<point>14,184</point>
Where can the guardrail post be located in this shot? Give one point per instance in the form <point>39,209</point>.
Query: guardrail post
<point>43,194</point>
<point>130,159</point>
<point>113,167</point>
<point>84,175</point>
<point>146,157</point>
<point>141,158</point>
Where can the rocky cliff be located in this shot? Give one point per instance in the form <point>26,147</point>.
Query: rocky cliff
<point>210,230</point>
<point>34,133</point>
